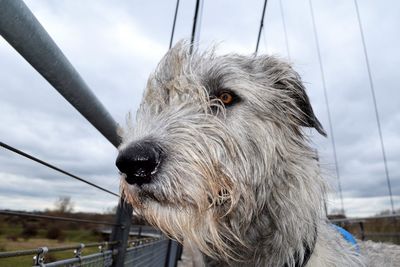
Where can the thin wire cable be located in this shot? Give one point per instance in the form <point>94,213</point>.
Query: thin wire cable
<point>264,35</point>
<point>321,68</point>
<point>196,13</point>
<point>199,22</point>
<point>372,87</point>
<point>54,168</point>
<point>284,29</point>
<point>173,24</point>
<point>261,27</point>
<point>50,217</point>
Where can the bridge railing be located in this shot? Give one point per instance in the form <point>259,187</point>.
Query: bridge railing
<point>20,28</point>
<point>384,228</point>
<point>146,247</point>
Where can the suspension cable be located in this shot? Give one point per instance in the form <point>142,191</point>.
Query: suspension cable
<point>196,14</point>
<point>173,24</point>
<point>51,217</point>
<point>372,87</point>
<point>284,28</point>
<point>54,168</point>
<point>321,68</point>
<point>261,26</point>
<point>264,35</point>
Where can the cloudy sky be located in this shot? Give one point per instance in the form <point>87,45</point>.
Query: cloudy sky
<point>115,45</point>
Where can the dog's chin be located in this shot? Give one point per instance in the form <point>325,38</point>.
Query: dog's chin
<point>151,196</point>
<point>146,194</point>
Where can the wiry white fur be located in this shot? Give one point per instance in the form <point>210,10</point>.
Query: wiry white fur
<point>240,183</point>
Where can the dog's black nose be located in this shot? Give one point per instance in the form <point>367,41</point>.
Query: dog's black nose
<point>139,162</point>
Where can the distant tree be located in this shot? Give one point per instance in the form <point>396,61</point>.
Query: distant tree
<point>387,212</point>
<point>64,204</point>
<point>55,233</point>
<point>29,230</point>
<point>111,210</point>
<point>338,212</point>
<point>384,212</point>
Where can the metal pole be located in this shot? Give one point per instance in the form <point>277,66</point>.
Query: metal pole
<point>168,255</point>
<point>261,26</point>
<point>121,232</point>
<point>22,30</point>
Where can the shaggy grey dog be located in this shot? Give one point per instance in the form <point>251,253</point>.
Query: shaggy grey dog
<point>218,157</point>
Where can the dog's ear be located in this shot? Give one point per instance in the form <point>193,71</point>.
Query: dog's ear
<point>291,82</point>
<point>283,77</point>
<point>278,74</point>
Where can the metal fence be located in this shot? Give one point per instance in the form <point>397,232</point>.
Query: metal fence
<point>384,228</point>
<point>93,260</point>
<point>20,28</point>
<point>148,253</point>
<point>147,247</point>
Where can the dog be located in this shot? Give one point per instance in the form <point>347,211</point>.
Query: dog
<point>219,157</point>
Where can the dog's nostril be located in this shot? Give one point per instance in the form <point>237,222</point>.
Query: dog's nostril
<point>139,162</point>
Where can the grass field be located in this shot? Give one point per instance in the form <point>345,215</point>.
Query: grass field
<point>30,234</point>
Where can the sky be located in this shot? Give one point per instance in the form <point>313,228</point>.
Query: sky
<point>116,45</point>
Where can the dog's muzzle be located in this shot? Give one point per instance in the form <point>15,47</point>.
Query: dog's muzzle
<point>139,162</point>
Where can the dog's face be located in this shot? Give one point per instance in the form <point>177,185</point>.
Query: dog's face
<point>216,145</point>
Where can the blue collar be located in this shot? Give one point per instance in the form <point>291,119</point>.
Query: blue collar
<point>347,236</point>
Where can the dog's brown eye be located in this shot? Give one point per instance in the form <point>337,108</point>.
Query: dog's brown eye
<point>226,98</point>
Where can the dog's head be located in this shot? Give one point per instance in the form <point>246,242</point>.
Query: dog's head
<point>217,154</point>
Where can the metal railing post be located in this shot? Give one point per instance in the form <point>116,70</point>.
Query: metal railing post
<point>168,254</point>
<point>20,28</point>
<point>362,230</point>
<point>179,251</point>
<point>120,233</point>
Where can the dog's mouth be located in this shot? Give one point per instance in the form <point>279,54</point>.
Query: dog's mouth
<point>138,180</point>
<point>148,192</point>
